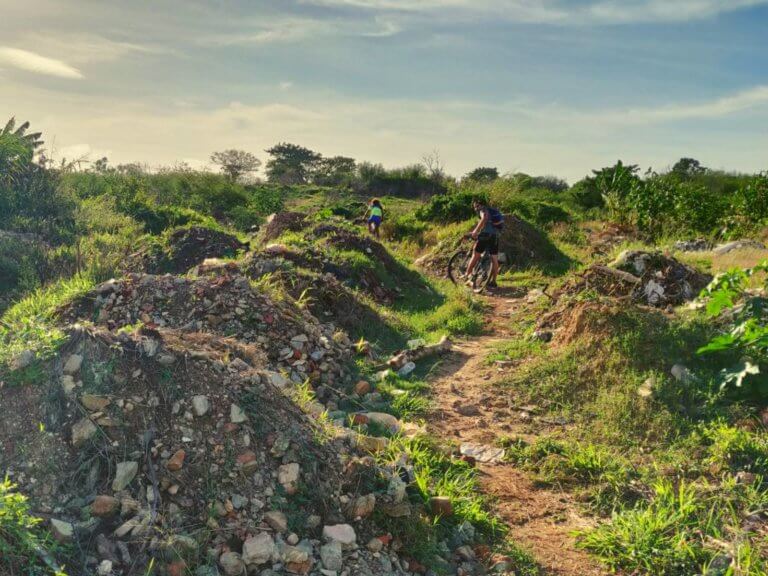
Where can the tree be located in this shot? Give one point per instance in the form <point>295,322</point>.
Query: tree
<point>483,174</point>
<point>434,165</point>
<point>291,163</point>
<point>688,167</point>
<point>334,171</point>
<point>236,163</point>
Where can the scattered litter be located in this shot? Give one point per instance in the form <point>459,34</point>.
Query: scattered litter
<point>482,453</point>
<point>406,369</point>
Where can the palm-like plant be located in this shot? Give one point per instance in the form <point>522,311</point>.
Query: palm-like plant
<point>31,140</point>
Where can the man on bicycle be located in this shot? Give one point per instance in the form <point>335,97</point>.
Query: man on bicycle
<point>486,237</point>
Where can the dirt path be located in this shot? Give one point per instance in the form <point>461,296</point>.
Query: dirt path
<point>469,410</point>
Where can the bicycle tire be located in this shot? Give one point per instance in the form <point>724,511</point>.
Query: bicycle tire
<point>458,263</point>
<point>482,274</point>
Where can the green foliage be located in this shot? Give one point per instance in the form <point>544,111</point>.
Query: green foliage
<point>409,182</point>
<point>746,329</point>
<point>291,163</point>
<point>483,174</point>
<point>236,163</point>
<point>658,537</point>
<point>24,547</point>
<point>29,324</point>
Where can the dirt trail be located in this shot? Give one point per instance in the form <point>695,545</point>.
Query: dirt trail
<point>468,409</point>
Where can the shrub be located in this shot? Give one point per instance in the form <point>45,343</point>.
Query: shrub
<point>22,544</point>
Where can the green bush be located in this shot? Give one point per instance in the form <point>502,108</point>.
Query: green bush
<point>24,547</point>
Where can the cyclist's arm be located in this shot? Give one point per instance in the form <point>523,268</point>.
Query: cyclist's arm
<point>480,225</point>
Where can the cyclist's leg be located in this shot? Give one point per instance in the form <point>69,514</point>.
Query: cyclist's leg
<point>493,250</point>
<point>477,252</point>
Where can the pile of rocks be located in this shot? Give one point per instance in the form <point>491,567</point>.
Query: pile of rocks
<point>222,301</point>
<point>188,247</point>
<point>181,448</point>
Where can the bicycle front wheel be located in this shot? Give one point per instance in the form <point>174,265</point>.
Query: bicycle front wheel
<point>457,265</point>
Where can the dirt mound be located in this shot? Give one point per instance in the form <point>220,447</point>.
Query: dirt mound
<point>580,321</point>
<point>178,449</point>
<point>282,222</point>
<point>521,245</point>
<point>185,248</point>
<point>609,235</point>
<point>222,302</point>
<point>327,298</point>
<point>650,278</point>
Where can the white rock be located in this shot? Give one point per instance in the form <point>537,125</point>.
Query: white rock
<point>276,520</point>
<point>62,531</point>
<point>83,431</point>
<point>73,364</point>
<point>331,556</point>
<point>344,534</point>
<point>236,414</point>
<point>105,568</point>
<point>200,405</point>
<point>258,549</point>
<point>288,476</point>
<point>23,360</point>
<point>124,475</point>
<point>232,564</point>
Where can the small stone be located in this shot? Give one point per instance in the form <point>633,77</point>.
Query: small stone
<point>384,420</point>
<point>331,555</point>
<point>276,520</point>
<point>83,431</point>
<point>94,403</point>
<point>441,506</point>
<point>124,475</point>
<point>62,531</point>
<point>23,360</point>
<point>176,462</point>
<point>200,405</point>
<point>375,545</point>
<point>232,564</point>
<point>73,364</point>
<point>105,506</point>
<point>362,388</point>
<point>344,534</point>
<point>236,414</point>
<point>292,539</point>
<point>105,568</point>
<point>362,507</point>
<point>178,568</point>
<point>288,476</point>
<point>258,549</point>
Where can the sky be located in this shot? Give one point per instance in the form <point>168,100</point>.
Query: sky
<point>555,87</point>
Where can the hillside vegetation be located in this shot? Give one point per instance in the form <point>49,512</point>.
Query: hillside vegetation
<point>194,368</point>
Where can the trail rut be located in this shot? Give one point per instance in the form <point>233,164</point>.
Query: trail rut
<point>469,409</point>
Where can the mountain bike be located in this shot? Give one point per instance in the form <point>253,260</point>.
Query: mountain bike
<point>481,275</point>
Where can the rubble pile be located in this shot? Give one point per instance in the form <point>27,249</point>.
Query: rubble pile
<point>323,294</point>
<point>282,222</point>
<point>650,278</point>
<point>179,448</point>
<point>188,247</point>
<point>222,301</point>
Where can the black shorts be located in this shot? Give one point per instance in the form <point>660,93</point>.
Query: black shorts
<point>487,243</point>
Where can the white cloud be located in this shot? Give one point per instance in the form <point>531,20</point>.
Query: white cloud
<point>285,85</point>
<point>32,62</point>
<point>286,30</point>
<point>82,48</point>
<point>556,11</point>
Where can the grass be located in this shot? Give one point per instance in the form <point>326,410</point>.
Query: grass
<point>29,324</point>
<point>24,546</point>
<point>662,471</point>
<point>439,475</point>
